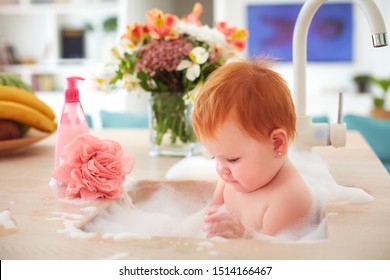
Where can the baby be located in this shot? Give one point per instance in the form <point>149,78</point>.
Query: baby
<point>244,117</point>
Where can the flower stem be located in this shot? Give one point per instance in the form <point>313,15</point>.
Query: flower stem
<point>170,116</point>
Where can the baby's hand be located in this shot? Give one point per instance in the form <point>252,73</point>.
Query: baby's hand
<point>223,224</point>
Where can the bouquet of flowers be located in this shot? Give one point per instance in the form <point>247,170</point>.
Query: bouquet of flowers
<point>171,58</point>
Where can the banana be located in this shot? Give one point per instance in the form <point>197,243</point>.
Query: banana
<point>18,95</point>
<point>26,115</point>
<point>10,79</point>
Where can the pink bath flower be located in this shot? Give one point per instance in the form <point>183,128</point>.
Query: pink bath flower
<point>92,168</point>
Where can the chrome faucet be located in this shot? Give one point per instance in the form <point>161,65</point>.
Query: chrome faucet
<point>321,134</point>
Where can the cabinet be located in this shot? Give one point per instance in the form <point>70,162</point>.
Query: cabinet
<point>57,38</point>
<point>33,28</point>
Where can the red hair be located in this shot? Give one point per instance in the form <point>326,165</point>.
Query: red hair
<point>254,96</point>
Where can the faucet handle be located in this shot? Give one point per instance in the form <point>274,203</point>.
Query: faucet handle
<point>340,109</point>
<point>338,131</point>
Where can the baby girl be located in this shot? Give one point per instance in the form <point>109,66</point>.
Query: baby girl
<point>244,117</point>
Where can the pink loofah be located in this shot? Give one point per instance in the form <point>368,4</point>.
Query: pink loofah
<point>92,168</point>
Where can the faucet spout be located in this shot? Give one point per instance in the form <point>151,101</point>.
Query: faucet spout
<point>306,14</point>
<point>309,134</point>
<point>375,20</point>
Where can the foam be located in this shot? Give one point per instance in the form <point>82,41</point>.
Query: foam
<point>6,220</point>
<point>118,256</point>
<point>71,222</point>
<point>164,213</point>
<point>192,168</point>
<point>171,213</point>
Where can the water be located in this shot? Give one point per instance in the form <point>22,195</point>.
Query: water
<point>169,212</point>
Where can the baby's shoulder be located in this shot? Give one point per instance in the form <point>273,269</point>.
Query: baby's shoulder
<point>293,195</point>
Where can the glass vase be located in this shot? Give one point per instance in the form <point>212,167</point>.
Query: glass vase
<point>171,132</point>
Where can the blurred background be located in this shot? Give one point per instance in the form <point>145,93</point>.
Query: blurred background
<point>45,41</point>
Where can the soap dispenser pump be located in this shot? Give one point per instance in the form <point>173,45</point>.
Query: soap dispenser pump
<point>73,121</point>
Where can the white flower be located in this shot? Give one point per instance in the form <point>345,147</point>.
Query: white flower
<point>130,81</point>
<point>191,95</point>
<point>198,56</point>
<point>203,33</point>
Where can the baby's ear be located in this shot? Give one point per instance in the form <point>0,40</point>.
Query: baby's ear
<point>280,142</point>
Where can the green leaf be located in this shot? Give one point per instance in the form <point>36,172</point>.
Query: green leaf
<point>379,102</point>
<point>384,84</point>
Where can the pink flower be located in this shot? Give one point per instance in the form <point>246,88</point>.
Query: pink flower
<point>92,168</point>
<point>234,36</point>
<point>135,34</point>
<point>160,24</point>
<point>162,55</point>
<point>194,16</point>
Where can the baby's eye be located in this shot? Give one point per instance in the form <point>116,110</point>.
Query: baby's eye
<point>232,160</point>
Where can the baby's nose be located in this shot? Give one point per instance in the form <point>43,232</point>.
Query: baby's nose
<point>222,169</point>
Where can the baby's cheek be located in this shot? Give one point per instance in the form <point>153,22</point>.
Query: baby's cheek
<point>239,174</point>
<point>248,177</point>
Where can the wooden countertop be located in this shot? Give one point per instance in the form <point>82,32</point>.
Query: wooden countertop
<point>356,232</point>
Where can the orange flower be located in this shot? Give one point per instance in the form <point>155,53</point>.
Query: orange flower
<point>135,34</point>
<point>234,36</point>
<point>160,25</point>
<point>194,16</point>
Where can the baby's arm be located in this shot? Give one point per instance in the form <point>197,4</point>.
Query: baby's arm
<point>280,216</point>
<point>221,223</point>
<point>218,195</point>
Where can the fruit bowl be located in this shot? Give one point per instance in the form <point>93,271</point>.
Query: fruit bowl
<point>20,144</point>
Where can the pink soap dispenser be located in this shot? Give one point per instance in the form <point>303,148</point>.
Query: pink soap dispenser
<point>73,121</point>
